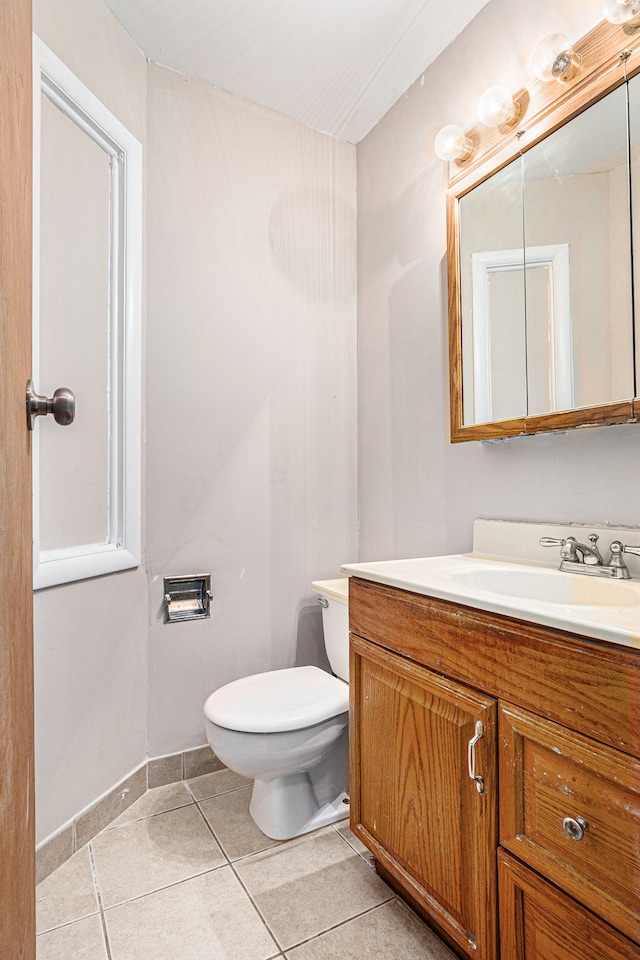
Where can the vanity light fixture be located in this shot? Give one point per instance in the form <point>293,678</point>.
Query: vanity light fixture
<point>497,107</point>
<point>554,58</point>
<point>622,11</point>
<point>453,144</point>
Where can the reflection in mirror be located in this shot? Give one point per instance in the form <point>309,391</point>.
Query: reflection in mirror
<point>544,227</point>
<point>576,197</point>
<point>634,138</point>
<point>493,299</point>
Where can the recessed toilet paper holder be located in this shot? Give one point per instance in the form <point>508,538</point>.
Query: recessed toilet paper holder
<point>187,598</point>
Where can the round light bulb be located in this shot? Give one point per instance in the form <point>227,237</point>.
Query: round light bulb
<point>453,144</point>
<point>621,11</point>
<point>497,107</point>
<point>554,59</point>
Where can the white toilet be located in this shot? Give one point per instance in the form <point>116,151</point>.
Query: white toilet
<point>288,731</point>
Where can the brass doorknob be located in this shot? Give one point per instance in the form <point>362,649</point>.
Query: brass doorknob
<point>62,405</point>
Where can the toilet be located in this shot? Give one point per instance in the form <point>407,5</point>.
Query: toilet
<point>287,730</point>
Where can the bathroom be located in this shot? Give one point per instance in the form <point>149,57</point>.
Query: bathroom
<point>295,391</point>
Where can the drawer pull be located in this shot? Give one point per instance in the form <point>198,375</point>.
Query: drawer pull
<point>574,828</point>
<point>471,757</point>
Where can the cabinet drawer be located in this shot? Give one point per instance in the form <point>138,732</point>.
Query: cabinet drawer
<point>570,807</point>
<point>538,922</point>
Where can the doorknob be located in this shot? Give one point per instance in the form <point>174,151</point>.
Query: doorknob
<point>62,405</point>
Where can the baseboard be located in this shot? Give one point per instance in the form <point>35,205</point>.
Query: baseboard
<point>154,772</point>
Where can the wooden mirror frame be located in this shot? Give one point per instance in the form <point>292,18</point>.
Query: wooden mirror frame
<point>610,56</point>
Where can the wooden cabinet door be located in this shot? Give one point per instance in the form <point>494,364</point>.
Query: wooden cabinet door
<point>413,802</point>
<point>539,922</point>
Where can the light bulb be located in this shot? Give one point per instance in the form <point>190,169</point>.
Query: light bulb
<point>453,144</point>
<point>622,11</point>
<point>497,107</point>
<point>554,59</point>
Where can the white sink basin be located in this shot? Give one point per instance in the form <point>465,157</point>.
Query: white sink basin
<point>550,586</point>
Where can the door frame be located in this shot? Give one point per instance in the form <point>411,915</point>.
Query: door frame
<point>17,808</point>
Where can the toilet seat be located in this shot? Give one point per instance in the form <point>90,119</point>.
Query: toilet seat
<point>278,701</point>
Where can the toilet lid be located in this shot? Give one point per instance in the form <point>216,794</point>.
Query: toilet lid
<point>278,701</point>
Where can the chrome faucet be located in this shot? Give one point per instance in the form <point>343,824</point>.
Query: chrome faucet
<point>578,557</point>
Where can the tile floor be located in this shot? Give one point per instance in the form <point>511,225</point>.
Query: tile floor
<point>185,874</point>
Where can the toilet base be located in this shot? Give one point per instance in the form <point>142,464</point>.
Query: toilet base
<point>296,803</point>
<point>286,807</point>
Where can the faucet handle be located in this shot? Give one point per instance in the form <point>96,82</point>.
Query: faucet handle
<point>567,546</point>
<point>633,550</point>
<point>617,549</point>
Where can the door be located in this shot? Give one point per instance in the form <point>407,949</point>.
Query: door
<point>416,739</point>
<point>17,854</point>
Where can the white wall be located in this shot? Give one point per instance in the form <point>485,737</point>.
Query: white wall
<point>90,637</point>
<point>250,439</point>
<point>419,493</point>
<point>251,445</point>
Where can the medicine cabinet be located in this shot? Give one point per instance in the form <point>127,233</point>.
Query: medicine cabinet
<point>541,250</point>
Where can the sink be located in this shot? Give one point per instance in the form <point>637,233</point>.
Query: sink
<point>508,579</point>
<point>549,586</point>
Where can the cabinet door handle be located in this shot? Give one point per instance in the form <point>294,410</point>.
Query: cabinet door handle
<point>471,757</point>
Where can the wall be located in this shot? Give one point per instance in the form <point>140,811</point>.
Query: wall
<point>418,493</point>
<point>90,637</point>
<point>250,427</point>
<point>251,446</point>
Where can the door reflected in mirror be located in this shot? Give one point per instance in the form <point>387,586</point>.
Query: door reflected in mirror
<point>634,141</point>
<point>576,196</point>
<point>493,298</point>
<point>545,248</point>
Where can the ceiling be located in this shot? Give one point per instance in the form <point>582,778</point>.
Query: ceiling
<point>335,65</point>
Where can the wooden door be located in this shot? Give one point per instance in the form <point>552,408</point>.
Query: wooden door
<point>412,800</point>
<point>17,856</point>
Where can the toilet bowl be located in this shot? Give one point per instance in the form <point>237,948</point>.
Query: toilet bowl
<point>287,730</point>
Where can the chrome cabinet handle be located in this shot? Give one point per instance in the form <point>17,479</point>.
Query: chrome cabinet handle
<point>574,827</point>
<point>471,757</point>
<point>62,405</point>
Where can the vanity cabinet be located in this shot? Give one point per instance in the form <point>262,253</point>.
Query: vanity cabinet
<point>554,836</point>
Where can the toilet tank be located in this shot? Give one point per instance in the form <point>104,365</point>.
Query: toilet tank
<point>334,597</point>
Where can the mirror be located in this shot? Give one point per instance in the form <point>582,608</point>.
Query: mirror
<point>540,270</point>
<point>576,198</point>
<point>634,141</point>
<point>493,298</point>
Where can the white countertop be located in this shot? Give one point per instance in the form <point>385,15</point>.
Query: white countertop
<point>455,578</point>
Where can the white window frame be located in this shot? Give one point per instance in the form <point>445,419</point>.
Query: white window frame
<point>122,548</point>
<point>556,258</point>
